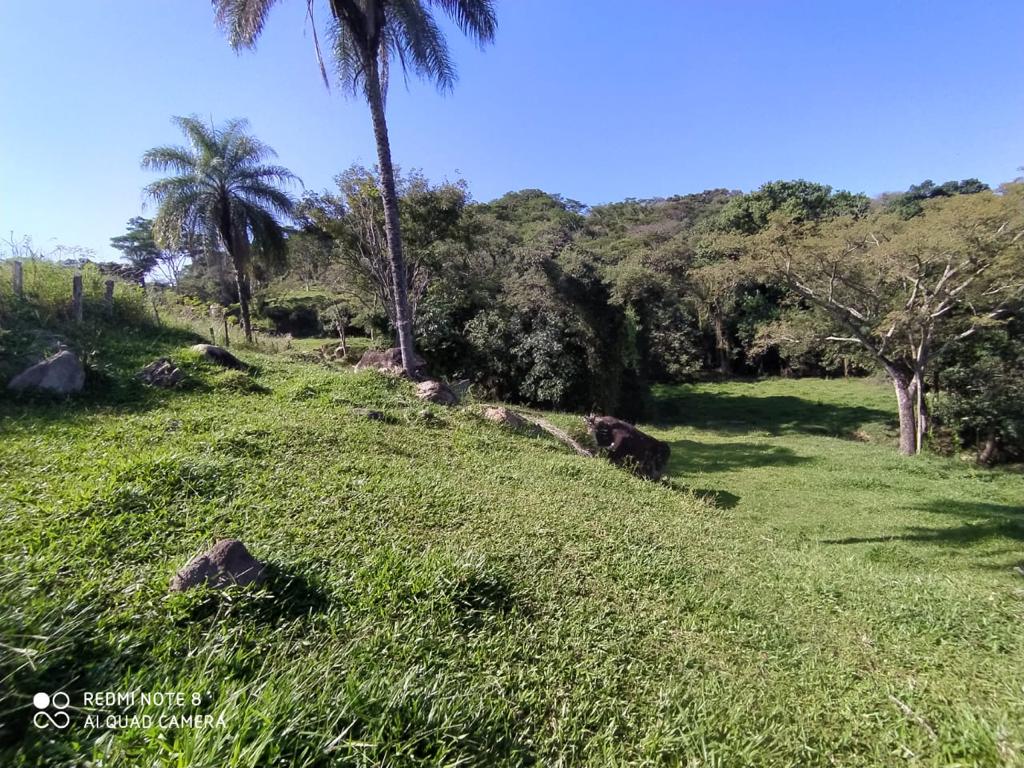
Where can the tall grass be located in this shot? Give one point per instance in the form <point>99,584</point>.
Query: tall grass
<point>46,299</point>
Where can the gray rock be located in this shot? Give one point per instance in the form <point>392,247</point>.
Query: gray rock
<point>61,374</point>
<point>220,356</point>
<point>436,392</point>
<point>508,418</point>
<point>227,562</point>
<point>161,373</point>
<point>389,361</point>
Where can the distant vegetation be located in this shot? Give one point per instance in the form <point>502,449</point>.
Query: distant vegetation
<point>543,300</point>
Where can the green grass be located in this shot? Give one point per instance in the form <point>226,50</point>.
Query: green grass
<point>444,592</point>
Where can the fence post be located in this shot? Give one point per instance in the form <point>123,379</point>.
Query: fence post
<point>108,296</point>
<point>227,341</point>
<point>76,298</point>
<point>17,279</point>
<point>213,322</point>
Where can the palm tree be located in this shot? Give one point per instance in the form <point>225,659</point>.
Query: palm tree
<point>222,191</point>
<point>367,35</point>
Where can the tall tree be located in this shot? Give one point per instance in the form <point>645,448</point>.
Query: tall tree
<point>905,290</point>
<point>223,190</point>
<point>145,256</point>
<point>354,219</point>
<point>138,246</point>
<point>366,36</point>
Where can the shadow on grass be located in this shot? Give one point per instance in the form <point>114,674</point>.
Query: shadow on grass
<point>776,415</point>
<point>63,653</point>
<point>283,596</point>
<point>690,456</point>
<point>983,521</point>
<point>716,498</point>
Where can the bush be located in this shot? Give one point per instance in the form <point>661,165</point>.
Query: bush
<point>981,395</point>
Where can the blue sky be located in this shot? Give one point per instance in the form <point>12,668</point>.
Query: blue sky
<point>595,99</point>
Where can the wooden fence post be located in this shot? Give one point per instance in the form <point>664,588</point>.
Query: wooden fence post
<point>108,296</point>
<point>76,298</point>
<point>227,341</point>
<point>213,322</point>
<point>17,278</point>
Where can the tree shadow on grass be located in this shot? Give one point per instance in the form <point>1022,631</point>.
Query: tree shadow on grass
<point>690,456</point>
<point>984,522</point>
<point>480,596</point>
<point>717,498</point>
<point>776,415</point>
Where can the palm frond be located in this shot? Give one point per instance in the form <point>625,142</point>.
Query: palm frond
<point>268,197</point>
<point>420,43</point>
<point>172,186</point>
<point>316,44</point>
<point>476,18</point>
<point>348,62</point>
<point>242,20</point>
<point>275,174</point>
<point>201,136</point>
<point>169,158</point>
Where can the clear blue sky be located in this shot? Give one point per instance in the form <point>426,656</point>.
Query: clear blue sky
<point>595,99</point>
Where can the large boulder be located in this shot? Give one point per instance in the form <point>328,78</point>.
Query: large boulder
<point>227,562</point>
<point>220,356</point>
<point>508,418</point>
<point>627,446</point>
<point>61,374</point>
<point>161,373</point>
<point>389,361</point>
<point>436,392</point>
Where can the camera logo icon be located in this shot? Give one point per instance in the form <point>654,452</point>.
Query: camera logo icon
<point>44,703</point>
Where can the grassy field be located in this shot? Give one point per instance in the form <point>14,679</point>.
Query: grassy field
<point>444,592</point>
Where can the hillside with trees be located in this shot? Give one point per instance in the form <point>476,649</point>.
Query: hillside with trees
<point>542,300</point>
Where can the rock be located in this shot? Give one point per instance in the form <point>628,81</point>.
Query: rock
<point>61,374</point>
<point>436,392</point>
<point>161,373</point>
<point>220,356</point>
<point>389,361</point>
<point>627,446</point>
<point>227,563</point>
<point>508,418</point>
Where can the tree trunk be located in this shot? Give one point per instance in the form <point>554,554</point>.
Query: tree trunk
<point>905,406</point>
<point>236,243</point>
<point>721,344</point>
<point>242,284</point>
<point>403,315</point>
<point>987,454</point>
<point>919,420</point>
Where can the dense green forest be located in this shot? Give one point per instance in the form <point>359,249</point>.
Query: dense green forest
<point>544,300</point>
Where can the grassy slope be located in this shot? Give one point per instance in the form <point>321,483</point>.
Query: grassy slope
<point>445,591</point>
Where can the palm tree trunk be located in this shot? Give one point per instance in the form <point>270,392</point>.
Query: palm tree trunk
<point>242,284</point>
<point>403,315</point>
